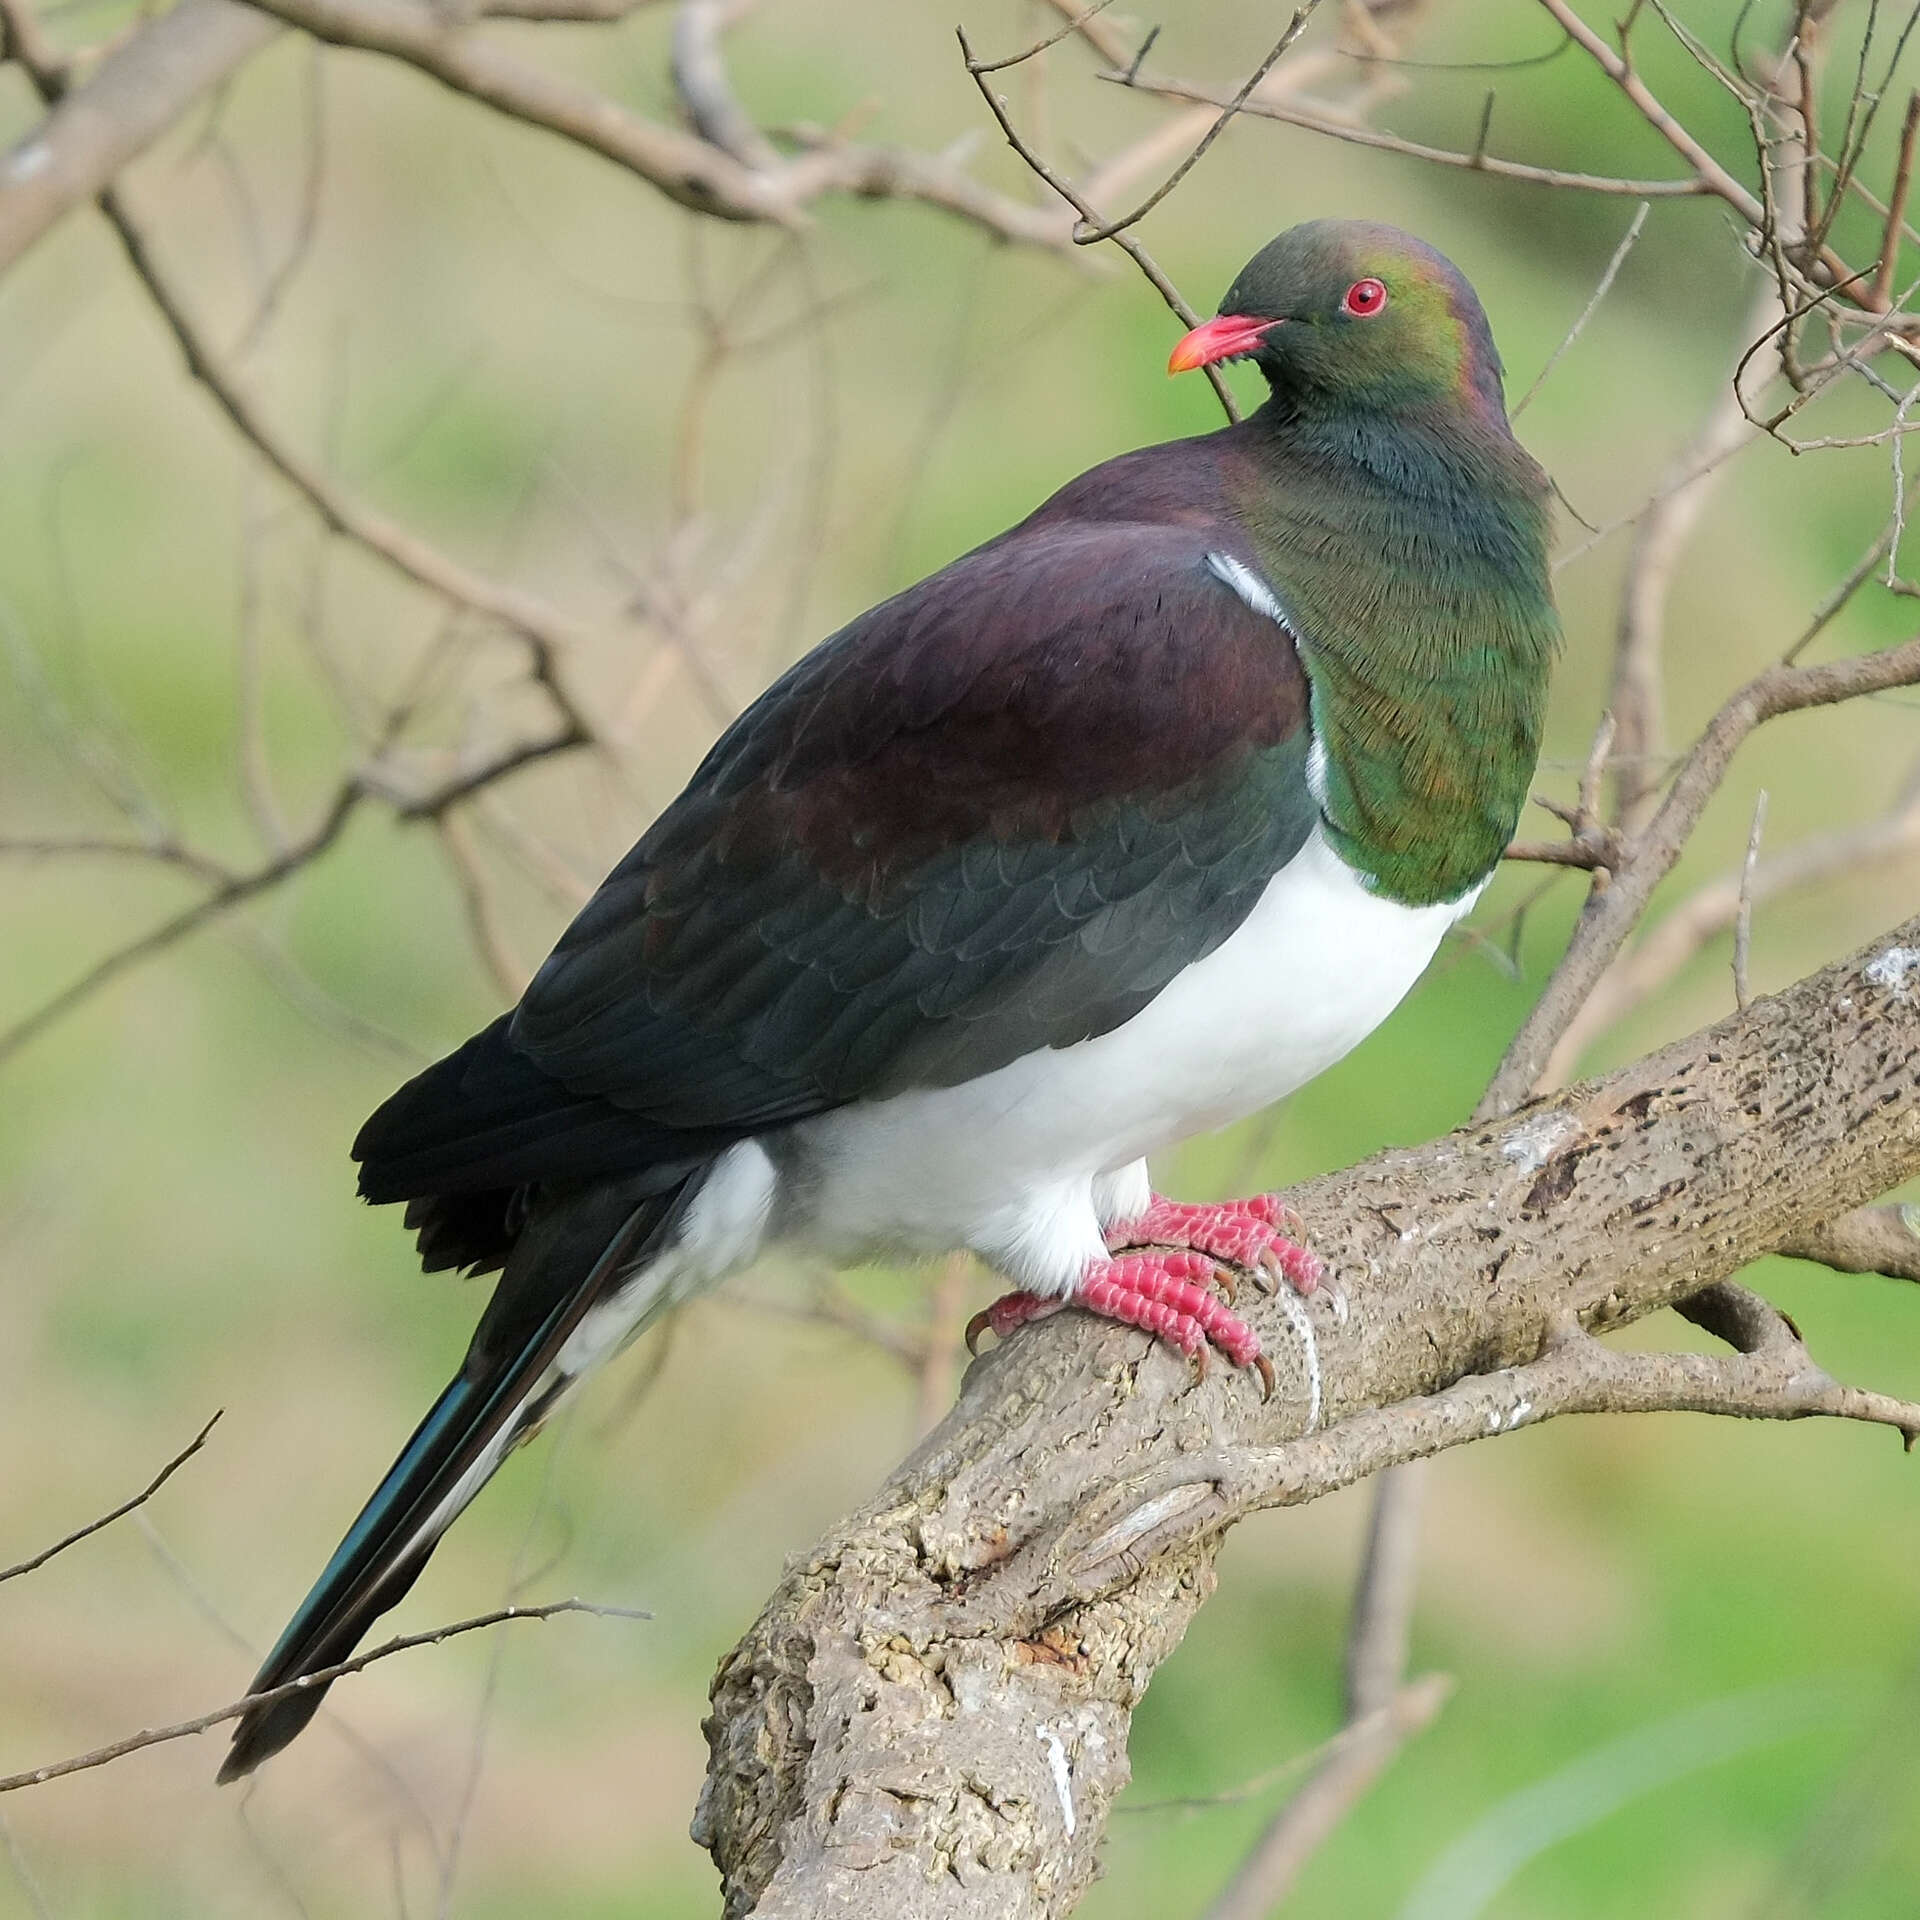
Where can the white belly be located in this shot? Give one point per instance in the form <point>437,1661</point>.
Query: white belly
<point>1007,1164</point>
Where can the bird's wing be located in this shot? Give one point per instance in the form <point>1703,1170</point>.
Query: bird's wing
<point>996,813</point>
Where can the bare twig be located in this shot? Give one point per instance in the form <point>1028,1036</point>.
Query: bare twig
<point>22,38</point>
<point>504,968</point>
<point>1292,115</point>
<point>1714,907</point>
<point>541,625</point>
<point>236,888</point>
<point>1711,176</point>
<point>1382,1626</point>
<point>1587,312</point>
<point>321,1677</point>
<point>695,172</point>
<point>164,852</point>
<point>943,1342</point>
<point>1127,242</point>
<point>1884,1239</point>
<point>1078,20</point>
<point>306,222</point>
<point>1383,1714</point>
<point>1110,229</point>
<point>1354,1759</point>
<point>140,1499</point>
<point>1881,290</point>
<point>1660,539</point>
<point>1609,916</point>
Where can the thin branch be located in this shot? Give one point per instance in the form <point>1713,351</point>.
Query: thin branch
<point>1609,917</point>
<point>693,171</point>
<point>1710,175</point>
<point>120,1512</point>
<point>237,888</point>
<point>1881,291</point>
<point>306,222</point>
<point>1660,541</point>
<point>503,966</point>
<point>1292,115</point>
<point>1711,909</point>
<point>232,891</point>
<point>1355,1758</point>
<point>1078,20</point>
<point>1383,1713</point>
<point>1111,229</point>
<point>1126,242</point>
<point>164,852</point>
<point>1108,38</point>
<point>1884,1239</point>
<point>700,79</point>
<point>1773,1378</point>
<point>23,38</point>
<point>543,626</point>
<point>1382,1626</point>
<point>321,1677</point>
<point>1587,312</point>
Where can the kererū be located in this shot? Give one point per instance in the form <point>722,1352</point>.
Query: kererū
<point>1118,828</point>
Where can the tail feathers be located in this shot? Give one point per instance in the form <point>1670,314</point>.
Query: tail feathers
<point>583,1250</point>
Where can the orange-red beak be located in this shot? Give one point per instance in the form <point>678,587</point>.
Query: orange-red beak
<point>1220,339</point>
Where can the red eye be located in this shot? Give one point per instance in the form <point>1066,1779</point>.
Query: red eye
<point>1364,299</point>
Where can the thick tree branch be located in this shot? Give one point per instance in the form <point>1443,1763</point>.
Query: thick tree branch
<point>139,91</point>
<point>930,1718</point>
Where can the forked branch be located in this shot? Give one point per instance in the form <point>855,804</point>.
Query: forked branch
<point>930,1717</point>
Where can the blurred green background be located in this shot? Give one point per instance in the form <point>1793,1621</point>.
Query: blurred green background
<point>1687,1653</point>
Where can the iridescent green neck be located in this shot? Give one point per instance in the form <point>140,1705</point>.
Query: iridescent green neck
<point>1410,554</point>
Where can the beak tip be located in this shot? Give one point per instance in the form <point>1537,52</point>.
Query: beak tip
<point>1224,338</point>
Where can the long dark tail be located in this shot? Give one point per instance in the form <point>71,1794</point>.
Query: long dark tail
<point>587,1250</point>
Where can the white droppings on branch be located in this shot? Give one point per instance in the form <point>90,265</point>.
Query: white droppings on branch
<point>1893,970</point>
<point>1062,1775</point>
<point>1302,1324</point>
<point>1531,1145</point>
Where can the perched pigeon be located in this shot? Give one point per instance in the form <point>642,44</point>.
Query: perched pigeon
<point>1116,829</point>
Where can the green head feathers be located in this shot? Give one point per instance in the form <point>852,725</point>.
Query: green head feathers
<point>1353,312</point>
<point>1404,532</point>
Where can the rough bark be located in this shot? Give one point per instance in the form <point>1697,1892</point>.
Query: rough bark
<point>931,1715</point>
<point>139,91</point>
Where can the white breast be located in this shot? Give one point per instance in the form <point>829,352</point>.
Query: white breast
<point>1006,1164</point>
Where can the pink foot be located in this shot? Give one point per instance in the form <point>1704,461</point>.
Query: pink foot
<point>1165,1293</point>
<point>1249,1233</point>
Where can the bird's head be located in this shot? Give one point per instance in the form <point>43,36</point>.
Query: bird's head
<point>1352,312</point>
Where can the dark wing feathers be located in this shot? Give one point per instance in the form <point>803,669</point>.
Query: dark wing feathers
<point>999,812</point>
